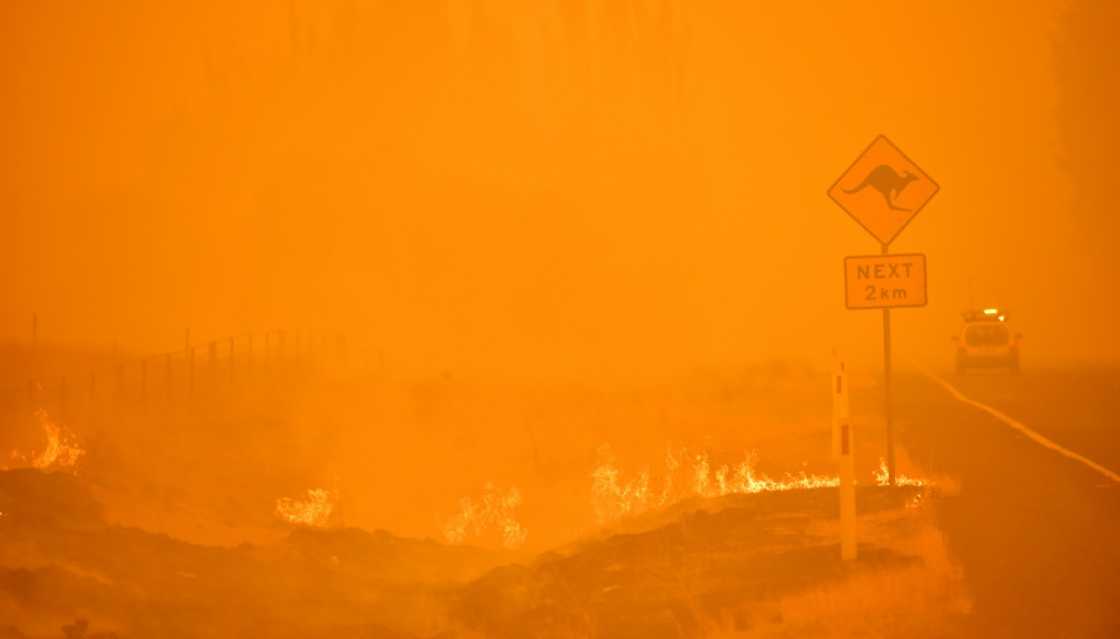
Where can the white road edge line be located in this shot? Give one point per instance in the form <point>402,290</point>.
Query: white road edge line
<point>1019,426</point>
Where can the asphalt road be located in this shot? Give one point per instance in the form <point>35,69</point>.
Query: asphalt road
<point>1037,534</point>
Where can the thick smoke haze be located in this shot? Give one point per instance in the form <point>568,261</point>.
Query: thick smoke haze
<point>487,318</point>
<point>547,188</point>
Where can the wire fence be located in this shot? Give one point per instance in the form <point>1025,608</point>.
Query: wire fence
<point>200,372</point>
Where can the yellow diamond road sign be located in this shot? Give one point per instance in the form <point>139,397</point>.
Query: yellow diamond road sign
<point>883,190</point>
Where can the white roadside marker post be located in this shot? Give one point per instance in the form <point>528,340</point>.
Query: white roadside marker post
<point>842,453</point>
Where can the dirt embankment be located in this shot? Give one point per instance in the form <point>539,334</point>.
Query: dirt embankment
<point>765,563</point>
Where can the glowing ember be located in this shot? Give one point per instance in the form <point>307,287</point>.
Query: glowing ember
<point>495,511</point>
<point>882,477</point>
<point>61,452</point>
<point>314,509</point>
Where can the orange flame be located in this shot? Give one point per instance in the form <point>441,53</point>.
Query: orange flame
<point>882,477</point>
<point>313,510</point>
<point>613,498</point>
<point>495,511</point>
<point>61,452</point>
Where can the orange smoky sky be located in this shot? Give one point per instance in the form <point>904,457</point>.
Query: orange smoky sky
<point>541,187</point>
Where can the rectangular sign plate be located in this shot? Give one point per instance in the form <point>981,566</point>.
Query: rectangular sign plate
<point>885,281</point>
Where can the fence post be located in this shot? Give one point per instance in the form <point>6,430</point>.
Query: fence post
<point>143,381</point>
<point>33,361</point>
<point>167,376</point>
<point>190,371</point>
<point>211,366</point>
<point>62,407</point>
<point>120,383</point>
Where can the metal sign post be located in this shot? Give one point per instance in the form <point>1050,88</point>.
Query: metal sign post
<point>887,388</point>
<point>883,190</point>
<point>885,281</point>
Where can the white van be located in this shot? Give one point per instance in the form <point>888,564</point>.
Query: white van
<point>985,341</point>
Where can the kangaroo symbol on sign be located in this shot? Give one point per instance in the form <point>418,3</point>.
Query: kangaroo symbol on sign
<point>887,182</point>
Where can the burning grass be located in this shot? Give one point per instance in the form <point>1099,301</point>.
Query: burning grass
<point>758,559</point>
<point>313,510</point>
<point>493,517</point>
<point>882,477</point>
<point>705,534</point>
<point>494,511</point>
<point>743,565</point>
<point>686,475</point>
<point>60,452</point>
